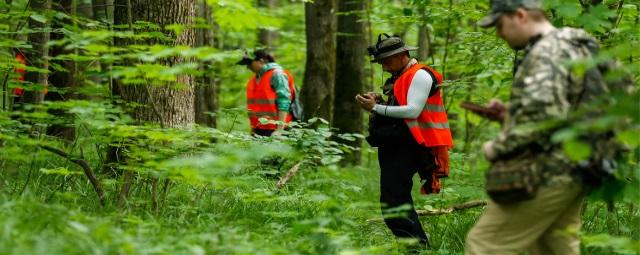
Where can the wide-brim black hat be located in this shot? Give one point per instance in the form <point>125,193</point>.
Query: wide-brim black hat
<point>387,47</point>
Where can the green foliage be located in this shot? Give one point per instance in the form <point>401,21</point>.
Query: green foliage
<point>619,245</point>
<point>241,15</point>
<point>199,190</point>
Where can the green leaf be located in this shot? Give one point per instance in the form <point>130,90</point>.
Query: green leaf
<point>58,171</point>
<point>564,135</point>
<point>39,18</point>
<point>617,244</point>
<point>597,19</point>
<point>568,10</point>
<point>629,137</point>
<point>576,150</point>
<point>407,12</point>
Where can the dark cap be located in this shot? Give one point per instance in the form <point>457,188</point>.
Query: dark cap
<point>386,47</point>
<point>257,55</point>
<point>246,60</point>
<point>500,7</point>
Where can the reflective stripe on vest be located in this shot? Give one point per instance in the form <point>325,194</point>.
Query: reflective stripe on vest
<point>433,108</point>
<point>431,127</point>
<point>261,100</point>
<point>263,114</point>
<point>438,125</point>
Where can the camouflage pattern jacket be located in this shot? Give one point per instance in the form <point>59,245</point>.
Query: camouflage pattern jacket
<point>542,92</point>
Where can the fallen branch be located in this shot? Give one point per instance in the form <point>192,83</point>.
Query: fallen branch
<point>463,206</point>
<point>85,167</point>
<point>288,176</point>
<point>441,211</point>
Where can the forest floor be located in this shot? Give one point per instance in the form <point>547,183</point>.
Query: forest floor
<point>328,210</point>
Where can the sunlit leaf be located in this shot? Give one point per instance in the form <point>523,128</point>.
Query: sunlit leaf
<point>576,150</point>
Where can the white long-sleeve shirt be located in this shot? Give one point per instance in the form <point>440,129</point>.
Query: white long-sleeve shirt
<point>416,98</point>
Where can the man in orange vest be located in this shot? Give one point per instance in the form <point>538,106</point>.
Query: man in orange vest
<point>269,94</point>
<point>411,131</point>
<point>18,92</point>
<point>20,72</point>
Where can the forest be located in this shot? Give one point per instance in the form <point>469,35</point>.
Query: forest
<point>124,127</point>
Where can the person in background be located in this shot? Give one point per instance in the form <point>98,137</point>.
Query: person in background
<point>17,95</point>
<point>269,94</point>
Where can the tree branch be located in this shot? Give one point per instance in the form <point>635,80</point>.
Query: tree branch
<point>441,211</point>
<point>448,210</point>
<point>85,167</point>
<point>288,176</point>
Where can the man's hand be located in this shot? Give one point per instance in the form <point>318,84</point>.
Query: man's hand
<point>282,118</point>
<point>375,96</point>
<point>367,100</point>
<point>489,152</point>
<point>498,106</point>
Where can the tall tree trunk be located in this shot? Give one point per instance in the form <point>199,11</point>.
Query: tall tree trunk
<point>368,38</point>
<point>424,39</point>
<point>102,10</point>
<point>5,74</point>
<point>319,75</point>
<point>448,38</point>
<point>37,57</point>
<point>206,100</point>
<point>67,81</point>
<point>84,9</point>
<point>167,105</point>
<point>424,42</point>
<point>351,45</point>
<point>267,37</point>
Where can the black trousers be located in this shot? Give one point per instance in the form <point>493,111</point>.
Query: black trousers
<point>262,132</point>
<point>398,165</point>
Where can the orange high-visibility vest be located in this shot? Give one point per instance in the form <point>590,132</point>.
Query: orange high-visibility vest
<point>261,101</point>
<point>431,128</point>
<point>21,72</point>
<point>19,91</point>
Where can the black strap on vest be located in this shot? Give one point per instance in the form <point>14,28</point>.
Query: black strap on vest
<point>435,86</point>
<point>387,88</point>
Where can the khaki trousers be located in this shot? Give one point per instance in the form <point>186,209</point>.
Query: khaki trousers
<point>547,224</point>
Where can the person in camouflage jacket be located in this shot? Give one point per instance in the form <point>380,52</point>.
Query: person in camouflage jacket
<point>544,89</point>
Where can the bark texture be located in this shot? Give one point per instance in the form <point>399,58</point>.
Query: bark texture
<point>350,57</point>
<point>170,105</point>
<point>38,55</point>
<point>319,76</point>
<point>206,90</point>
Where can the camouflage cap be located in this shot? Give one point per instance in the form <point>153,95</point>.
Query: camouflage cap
<point>499,7</point>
